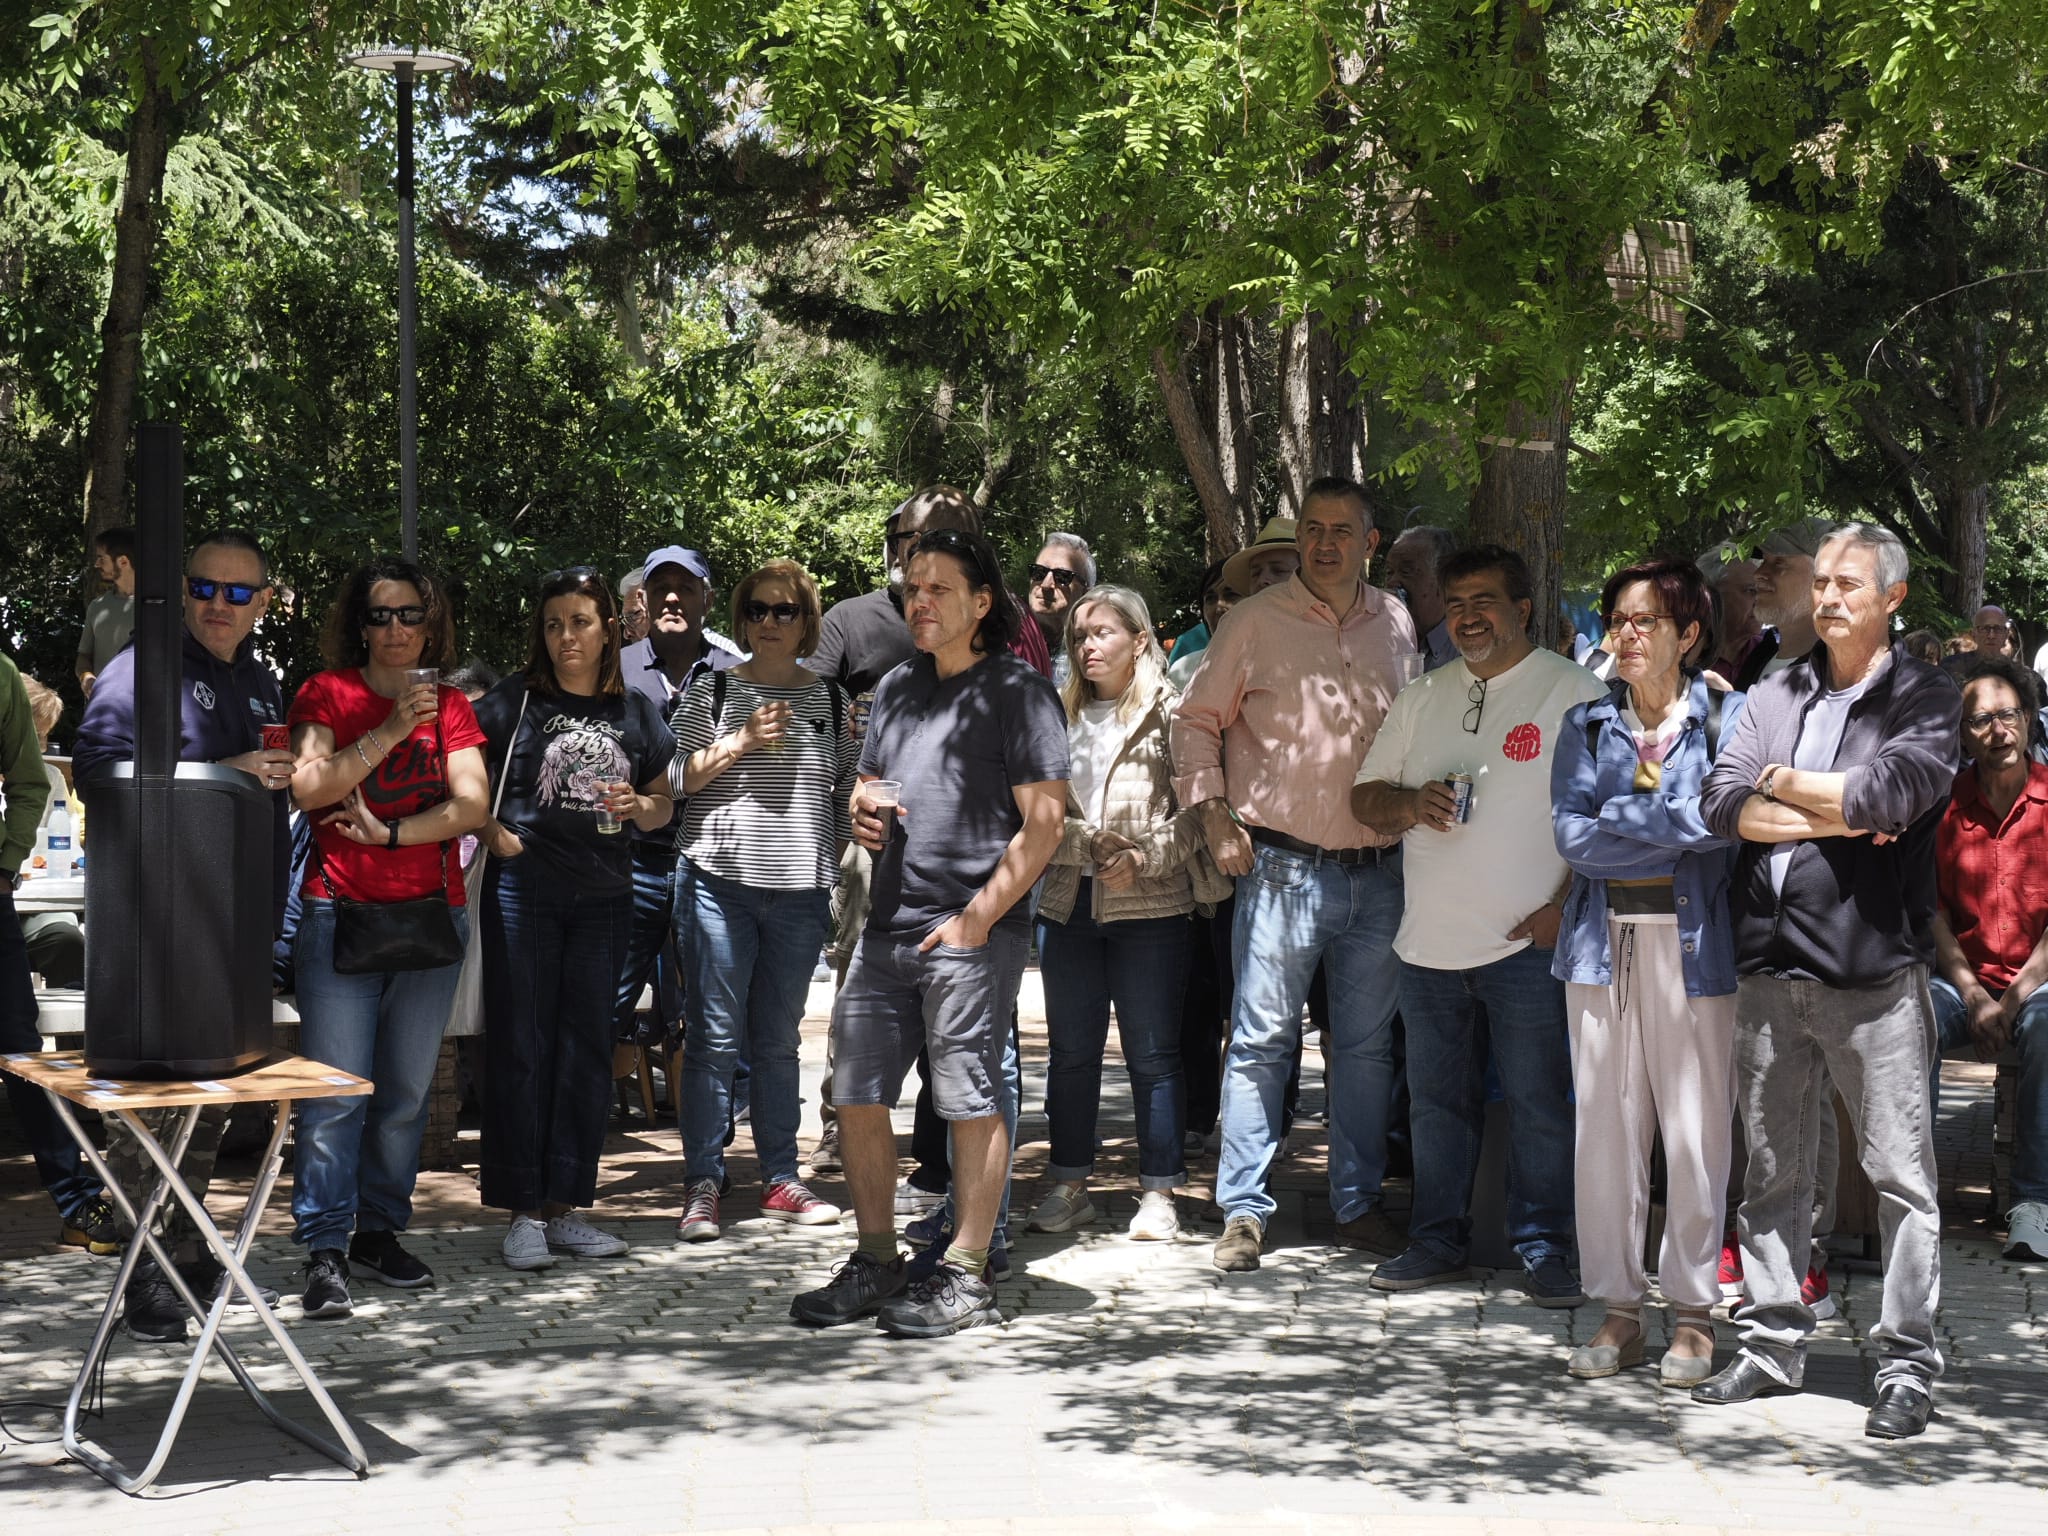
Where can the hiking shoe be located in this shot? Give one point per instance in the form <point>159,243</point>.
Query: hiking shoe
<point>326,1292</point>
<point>92,1228</point>
<point>1157,1219</point>
<point>825,1156</point>
<point>916,1200</point>
<point>699,1221</point>
<point>948,1300</point>
<point>1730,1273</point>
<point>1813,1290</point>
<point>2026,1232</point>
<point>1238,1248</point>
<point>380,1254</point>
<point>1065,1207</point>
<point>526,1244</point>
<point>570,1233</point>
<point>857,1287</point>
<point>151,1307</point>
<point>790,1201</point>
<point>1374,1231</point>
<point>206,1277</point>
<point>1415,1268</point>
<point>1550,1282</point>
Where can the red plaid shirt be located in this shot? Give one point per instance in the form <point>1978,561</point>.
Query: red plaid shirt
<point>1993,875</point>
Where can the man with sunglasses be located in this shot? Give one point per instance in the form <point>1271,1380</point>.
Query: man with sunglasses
<point>1064,570</point>
<point>226,695</point>
<point>1485,895</point>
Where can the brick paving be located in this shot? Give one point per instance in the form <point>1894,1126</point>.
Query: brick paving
<point>1133,1389</point>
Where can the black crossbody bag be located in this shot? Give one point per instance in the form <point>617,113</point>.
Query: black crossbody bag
<point>371,937</point>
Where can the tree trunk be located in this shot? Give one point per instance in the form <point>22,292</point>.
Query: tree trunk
<point>1519,502</point>
<point>1223,518</point>
<point>1227,384</point>
<point>1322,423</point>
<point>150,131</point>
<point>1965,512</point>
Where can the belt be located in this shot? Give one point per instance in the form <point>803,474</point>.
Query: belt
<point>1343,856</point>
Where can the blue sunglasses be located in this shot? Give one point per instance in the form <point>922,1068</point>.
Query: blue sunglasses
<point>238,593</point>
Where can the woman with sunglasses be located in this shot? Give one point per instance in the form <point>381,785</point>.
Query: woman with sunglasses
<point>568,741</point>
<point>766,759</point>
<point>1646,950</point>
<point>391,773</point>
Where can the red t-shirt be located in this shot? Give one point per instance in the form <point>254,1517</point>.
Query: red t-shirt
<point>409,779</point>
<point>1993,875</point>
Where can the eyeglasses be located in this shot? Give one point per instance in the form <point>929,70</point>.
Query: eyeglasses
<point>783,613</point>
<point>1644,624</point>
<point>1059,576</point>
<point>412,616</point>
<point>1984,717</point>
<point>570,573</point>
<point>1478,699</point>
<point>239,594</point>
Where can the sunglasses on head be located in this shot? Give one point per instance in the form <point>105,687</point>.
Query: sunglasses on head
<point>570,573</point>
<point>239,594</point>
<point>784,613</point>
<point>1058,575</point>
<point>951,541</point>
<point>412,616</point>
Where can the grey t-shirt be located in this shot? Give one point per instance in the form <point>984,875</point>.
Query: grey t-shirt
<point>959,746</point>
<point>1820,742</point>
<point>109,621</point>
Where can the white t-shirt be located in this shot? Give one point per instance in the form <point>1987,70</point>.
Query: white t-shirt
<point>1466,888</point>
<point>1820,742</point>
<point>1093,742</point>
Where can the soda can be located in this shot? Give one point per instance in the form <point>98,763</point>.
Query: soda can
<point>1461,794</point>
<point>277,738</point>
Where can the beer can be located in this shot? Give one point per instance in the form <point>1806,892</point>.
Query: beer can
<point>1461,794</point>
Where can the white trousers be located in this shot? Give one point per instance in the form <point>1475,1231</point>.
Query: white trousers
<point>1647,1059</point>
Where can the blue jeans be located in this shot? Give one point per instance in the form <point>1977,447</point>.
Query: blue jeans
<point>358,1159</point>
<point>71,1184</point>
<point>2030,1045</point>
<point>1141,966</point>
<point>748,953</point>
<point>1294,912</point>
<point>1448,1041</point>
<point>657,879</point>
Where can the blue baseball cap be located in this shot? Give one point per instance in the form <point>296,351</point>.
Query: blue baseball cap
<point>675,554</point>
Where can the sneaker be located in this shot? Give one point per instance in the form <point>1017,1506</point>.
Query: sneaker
<point>699,1221</point>
<point>790,1201</point>
<point>151,1307</point>
<point>1157,1219</point>
<point>2026,1232</point>
<point>380,1254</point>
<point>1065,1207</point>
<point>205,1275</point>
<point>931,1254</point>
<point>929,1228</point>
<point>1374,1231</point>
<point>1415,1268</point>
<point>1731,1267</point>
<point>526,1244</point>
<point>1813,1290</point>
<point>1551,1283</point>
<point>825,1156</point>
<point>916,1200</point>
<point>857,1287</point>
<point>326,1292</point>
<point>570,1233</point>
<point>947,1301</point>
<point>92,1228</point>
<point>1239,1246</point>
<point>1193,1143</point>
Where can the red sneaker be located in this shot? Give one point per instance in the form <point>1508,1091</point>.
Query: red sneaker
<point>1813,1290</point>
<point>699,1221</point>
<point>790,1201</point>
<point>1731,1268</point>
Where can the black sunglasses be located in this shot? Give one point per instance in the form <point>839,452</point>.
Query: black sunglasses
<point>785,613</point>
<point>1478,699</point>
<point>412,616</point>
<point>1060,576</point>
<point>570,573</point>
<point>240,594</point>
<point>951,541</point>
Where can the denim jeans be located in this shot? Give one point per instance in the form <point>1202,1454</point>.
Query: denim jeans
<point>1294,912</point>
<point>748,953</point>
<point>1877,1043</point>
<point>552,957</point>
<point>657,880</point>
<point>71,1184</point>
<point>1448,1043</point>
<point>1140,967</point>
<point>2030,1046</point>
<point>358,1159</point>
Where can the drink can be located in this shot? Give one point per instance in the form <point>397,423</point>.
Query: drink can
<point>276,738</point>
<point>1461,794</point>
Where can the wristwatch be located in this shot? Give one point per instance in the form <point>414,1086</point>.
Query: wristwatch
<point>1764,788</point>
<point>392,840</point>
<point>14,882</point>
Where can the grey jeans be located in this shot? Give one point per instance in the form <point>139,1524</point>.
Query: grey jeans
<point>1878,1044</point>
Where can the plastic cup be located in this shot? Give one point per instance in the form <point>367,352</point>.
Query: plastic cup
<point>608,821</point>
<point>1408,667</point>
<point>425,677</point>
<point>882,793</point>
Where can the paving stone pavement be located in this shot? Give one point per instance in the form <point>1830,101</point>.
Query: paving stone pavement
<point>1133,1389</point>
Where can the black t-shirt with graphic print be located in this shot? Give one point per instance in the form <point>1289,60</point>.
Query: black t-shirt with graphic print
<point>567,746</point>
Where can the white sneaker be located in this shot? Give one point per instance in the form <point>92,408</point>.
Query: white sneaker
<point>1158,1219</point>
<point>2026,1237</point>
<point>570,1233</point>
<point>526,1244</point>
<point>1066,1207</point>
<point>912,1201</point>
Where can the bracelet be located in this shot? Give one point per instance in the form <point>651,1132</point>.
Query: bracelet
<point>368,766</point>
<point>392,841</point>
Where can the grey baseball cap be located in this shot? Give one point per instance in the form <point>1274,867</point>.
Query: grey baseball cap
<point>1804,537</point>
<point>675,554</point>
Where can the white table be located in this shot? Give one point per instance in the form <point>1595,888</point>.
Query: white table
<point>60,1013</point>
<point>51,893</point>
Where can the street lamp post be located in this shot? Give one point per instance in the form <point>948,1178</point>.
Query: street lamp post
<point>407,64</point>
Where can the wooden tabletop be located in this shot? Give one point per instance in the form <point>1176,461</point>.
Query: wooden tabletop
<point>281,1077</point>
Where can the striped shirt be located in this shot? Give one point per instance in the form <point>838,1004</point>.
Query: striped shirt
<point>774,819</point>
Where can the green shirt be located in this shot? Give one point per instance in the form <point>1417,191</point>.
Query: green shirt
<point>21,770</point>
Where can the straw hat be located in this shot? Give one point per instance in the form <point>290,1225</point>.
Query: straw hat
<point>1237,570</point>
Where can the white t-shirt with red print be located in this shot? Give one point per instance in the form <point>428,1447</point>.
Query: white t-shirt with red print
<point>1469,887</point>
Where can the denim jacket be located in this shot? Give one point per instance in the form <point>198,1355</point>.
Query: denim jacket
<point>1606,831</point>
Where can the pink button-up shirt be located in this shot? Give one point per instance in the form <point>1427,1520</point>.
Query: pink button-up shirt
<point>1278,716</point>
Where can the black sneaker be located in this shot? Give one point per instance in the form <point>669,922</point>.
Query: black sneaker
<point>205,1275</point>
<point>949,1301</point>
<point>925,1262</point>
<point>856,1288</point>
<point>1551,1283</point>
<point>152,1310</point>
<point>92,1228</point>
<point>379,1253</point>
<point>326,1292</point>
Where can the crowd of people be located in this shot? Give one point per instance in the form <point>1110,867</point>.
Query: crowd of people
<point>1748,857</point>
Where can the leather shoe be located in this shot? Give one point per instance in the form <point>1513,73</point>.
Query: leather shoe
<point>1741,1381</point>
<point>1899,1413</point>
